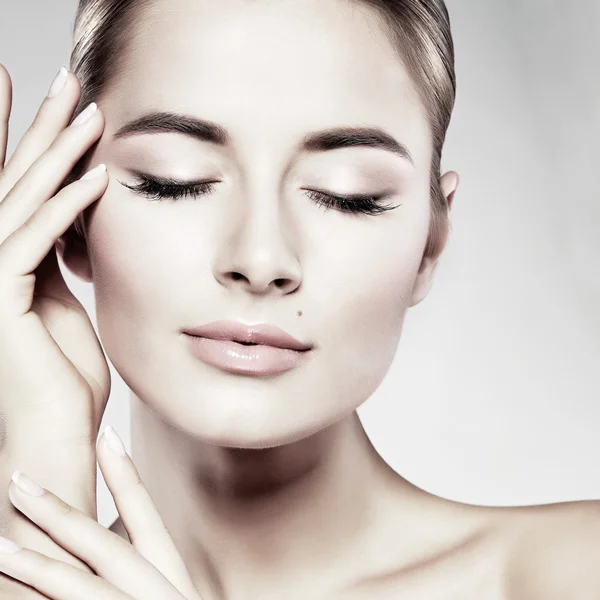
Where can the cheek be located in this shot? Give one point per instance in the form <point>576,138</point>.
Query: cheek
<point>366,282</point>
<point>129,267</point>
<point>375,315</point>
<point>143,273</point>
<point>369,312</point>
<point>142,259</point>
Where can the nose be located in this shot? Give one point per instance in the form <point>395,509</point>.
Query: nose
<point>256,252</point>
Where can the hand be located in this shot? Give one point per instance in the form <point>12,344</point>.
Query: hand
<point>149,569</point>
<point>54,378</point>
<point>53,370</point>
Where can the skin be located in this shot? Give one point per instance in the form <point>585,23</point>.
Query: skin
<point>270,485</point>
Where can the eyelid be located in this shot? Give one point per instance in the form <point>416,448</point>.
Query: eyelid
<point>171,180</point>
<point>354,196</point>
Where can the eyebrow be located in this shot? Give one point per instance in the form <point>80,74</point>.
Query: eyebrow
<point>317,141</point>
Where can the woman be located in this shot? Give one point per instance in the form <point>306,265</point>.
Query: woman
<point>270,205</point>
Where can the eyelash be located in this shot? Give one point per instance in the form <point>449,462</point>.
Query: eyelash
<point>161,189</point>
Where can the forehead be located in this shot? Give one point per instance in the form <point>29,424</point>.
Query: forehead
<point>276,65</point>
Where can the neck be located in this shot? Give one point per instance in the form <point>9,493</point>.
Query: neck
<point>251,523</point>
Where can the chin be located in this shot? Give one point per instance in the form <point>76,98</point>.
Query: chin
<point>233,411</point>
<point>234,417</point>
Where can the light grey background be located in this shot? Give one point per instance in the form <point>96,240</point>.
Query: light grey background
<point>494,396</point>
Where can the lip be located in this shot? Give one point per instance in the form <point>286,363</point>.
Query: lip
<point>261,333</point>
<point>220,344</point>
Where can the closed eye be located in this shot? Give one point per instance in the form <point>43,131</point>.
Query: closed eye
<point>158,189</point>
<point>353,204</point>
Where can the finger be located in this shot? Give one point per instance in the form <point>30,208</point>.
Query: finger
<point>110,556</point>
<point>58,580</point>
<point>5,108</point>
<point>26,247</point>
<point>139,515</point>
<point>45,176</point>
<point>54,114</point>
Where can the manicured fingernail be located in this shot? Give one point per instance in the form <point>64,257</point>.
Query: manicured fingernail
<point>8,546</point>
<point>95,172</point>
<point>86,115</point>
<point>26,485</point>
<point>59,83</point>
<point>114,441</point>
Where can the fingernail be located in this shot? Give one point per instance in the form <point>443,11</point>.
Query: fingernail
<point>8,546</point>
<point>114,441</point>
<point>86,115</point>
<point>59,83</point>
<point>26,485</point>
<point>95,172</point>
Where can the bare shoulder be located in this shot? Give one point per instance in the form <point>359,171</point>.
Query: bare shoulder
<point>555,552</point>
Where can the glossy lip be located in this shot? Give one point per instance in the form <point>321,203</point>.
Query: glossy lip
<point>234,357</point>
<point>260,333</point>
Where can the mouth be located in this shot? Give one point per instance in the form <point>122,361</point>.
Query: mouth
<point>261,334</point>
<point>260,349</point>
<point>245,358</point>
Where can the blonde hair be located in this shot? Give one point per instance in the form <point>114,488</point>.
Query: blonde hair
<point>419,29</point>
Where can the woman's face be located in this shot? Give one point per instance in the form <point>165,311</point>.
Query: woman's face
<point>259,248</point>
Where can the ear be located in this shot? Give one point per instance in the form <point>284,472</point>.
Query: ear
<point>425,276</point>
<point>73,250</point>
